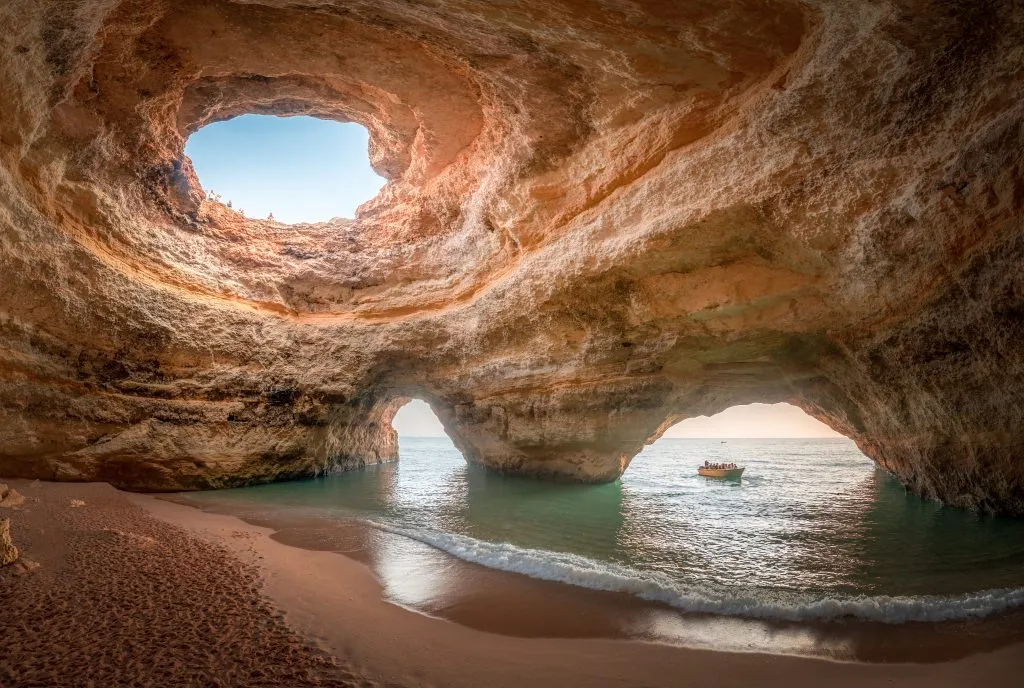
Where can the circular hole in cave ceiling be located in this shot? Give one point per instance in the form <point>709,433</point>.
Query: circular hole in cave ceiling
<point>300,169</point>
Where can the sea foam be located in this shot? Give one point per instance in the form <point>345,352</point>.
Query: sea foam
<point>581,571</point>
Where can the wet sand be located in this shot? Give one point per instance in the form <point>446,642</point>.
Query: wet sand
<point>339,601</point>
<point>190,598</point>
<point>427,580</point>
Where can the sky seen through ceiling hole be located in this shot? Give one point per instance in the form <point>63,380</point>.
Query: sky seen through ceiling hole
<point>301,169</point>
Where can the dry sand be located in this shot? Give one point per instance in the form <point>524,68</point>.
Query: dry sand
<point>134,590</point>
<point>121,598</point>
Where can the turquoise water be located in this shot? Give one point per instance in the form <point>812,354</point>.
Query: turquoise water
<point>812,531</point>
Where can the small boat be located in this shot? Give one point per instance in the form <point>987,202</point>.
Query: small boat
<point>721,472</point>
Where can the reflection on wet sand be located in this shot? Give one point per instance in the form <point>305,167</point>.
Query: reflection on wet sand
<point>426,580</point>
<point>780,536</point>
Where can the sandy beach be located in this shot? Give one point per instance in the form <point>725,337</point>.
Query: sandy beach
<point>121,598</point>
<point>137,590</point>
<point>431,581</point>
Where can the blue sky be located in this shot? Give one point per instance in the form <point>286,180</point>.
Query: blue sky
<point>300,168</point>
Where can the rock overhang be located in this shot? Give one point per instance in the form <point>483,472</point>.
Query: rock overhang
<point>598,218</point>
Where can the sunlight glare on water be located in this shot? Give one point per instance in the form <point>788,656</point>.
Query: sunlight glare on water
<point>810,531</point>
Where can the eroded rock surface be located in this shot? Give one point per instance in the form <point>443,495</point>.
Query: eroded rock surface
<point>602,217</point>
<point>10,498</point>
<point>8,551</point>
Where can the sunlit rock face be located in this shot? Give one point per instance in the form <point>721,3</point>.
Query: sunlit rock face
<point>602,217</point>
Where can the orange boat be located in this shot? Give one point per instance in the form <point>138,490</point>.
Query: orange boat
<point>721,472</point>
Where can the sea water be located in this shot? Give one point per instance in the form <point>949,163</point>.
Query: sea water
<point>812,531</point>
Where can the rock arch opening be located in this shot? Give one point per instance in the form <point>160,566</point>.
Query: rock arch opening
<point>753,421</point>
<point>287,169</point>
<point>419,429</point>
<point>759,434</point>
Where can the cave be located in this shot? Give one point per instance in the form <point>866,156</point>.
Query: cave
<point>598,221</point>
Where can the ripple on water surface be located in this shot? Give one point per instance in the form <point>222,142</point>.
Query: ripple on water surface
<point>812,531</point>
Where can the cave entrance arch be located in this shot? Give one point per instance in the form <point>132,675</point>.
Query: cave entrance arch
<point>430,472</point>
<point>292,170</point>
<point>753,421</point>
<point>416,419</point>
<point>757,432</point>
<point>420,430</point>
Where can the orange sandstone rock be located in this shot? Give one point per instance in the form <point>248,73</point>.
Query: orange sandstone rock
<point>8,552</point>
<point>601,218</point>
<point>10,498</point>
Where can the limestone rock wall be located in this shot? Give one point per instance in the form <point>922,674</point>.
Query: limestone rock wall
<point>602,218</point>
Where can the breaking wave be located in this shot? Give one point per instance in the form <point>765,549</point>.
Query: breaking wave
<point>750,602</point>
